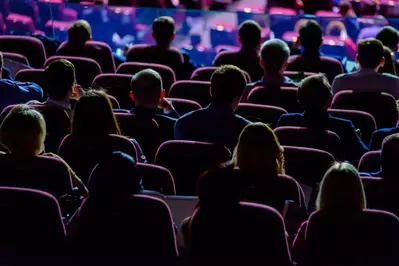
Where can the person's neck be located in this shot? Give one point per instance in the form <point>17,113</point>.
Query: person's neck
<point>274,76</point>
<point>163,46</point>
<point>146,106</point>
<point>367,69</point>
<point>311,53</point>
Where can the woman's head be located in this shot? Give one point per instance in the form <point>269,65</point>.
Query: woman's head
<point>93,115</point>
<point>116,175</point>
<point>23,131</point>
<point>258,151</point>
<point>341,189</point>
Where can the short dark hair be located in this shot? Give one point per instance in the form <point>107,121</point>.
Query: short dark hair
<point>311,35</point>
<point>163,29</point>
<point>146,87</point>
<point>60,78</point>
<point>227,83</point>
<point>250,34</point>
<point>274,54</point>
<point>389,155</point>
<point>389,37</point>
<point>314,92</point>
<point>79,32</point>
<point>370,52</point>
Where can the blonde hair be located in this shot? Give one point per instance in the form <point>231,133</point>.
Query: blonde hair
<point>23,131</point>
<point>341,189</point>
<point>258,151</point>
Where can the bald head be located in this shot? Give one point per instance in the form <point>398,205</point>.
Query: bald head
<point>147,88</point>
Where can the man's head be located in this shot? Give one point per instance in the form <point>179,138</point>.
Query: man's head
<point>1,63</point>
<point>227,84</point>
<point>274,55</point>
<point>147,88</point>
<point>370,54</point>
<point>390,156</point>
<point>79,32</point>
<point>60,79</point>
<point>250,34</point>
<point>163,30</point>
<point>389,37</point>
<point>314,93</point>
<point>310,36</point>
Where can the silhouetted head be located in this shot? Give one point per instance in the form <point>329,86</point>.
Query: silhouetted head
<point>315,93</point>
<point>79,33</point>
<point>390,157</point>
<point>370,54</point>
<point>60,79</point>
<point>310,36</point>
<point>250,34</point>
<point>163,30</point>
<point>147,88</point>
<point>389,37</point>
<point>274,56</point>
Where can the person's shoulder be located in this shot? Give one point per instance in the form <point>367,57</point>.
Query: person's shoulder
<point>294,58</point>
<point>390,77</point>
<point>330,60</point>
<point>386,131</point>
<point>291,116</point>
<point>344,76</point>
<point>165,117</point>
<point>191,115</point>
<point>242,119</point>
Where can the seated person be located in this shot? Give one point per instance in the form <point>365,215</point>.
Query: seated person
<point>314,94</point>
<point>370,57</point>
<point>62,90</point>
<point>163,31</point>
<point>78,34</point>
<point>217,123</point>
<point>149,97</point>
<point>389,64</point>
<point>389,37</point>
<point>378,137</point>
<point>14,92</point>
<point>274,55</point>
<point>311,60</point>
<point>250,37</point>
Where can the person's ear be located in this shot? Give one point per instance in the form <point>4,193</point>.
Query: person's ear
<point>357,59</point>
<point>284,67</point>
<point>239,40</point>
<point>210,91</point>
<point>382,62</point>
<point>153,35</point>
<point>262,64</point>
<point>131,96</point>
<point>173,37</point>
<point>163,94</point>
<point>321,40</point>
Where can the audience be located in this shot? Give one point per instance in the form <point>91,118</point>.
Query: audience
<point>260,159</point>
<point>389,64</point>
<point>370,57</point>
<point>274,55</point>
<point>311,60</point>
<point>217,123</point>
<point>341,192</point>
<point>315,95</point>
<point>163,31</point>
<point>14,92</point>
<point>150,102</point>
<point>250,38</point>
<point>389,37</point>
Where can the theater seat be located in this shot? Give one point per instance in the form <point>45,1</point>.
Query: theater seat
<point>370,162</point>
<point>198,91</point>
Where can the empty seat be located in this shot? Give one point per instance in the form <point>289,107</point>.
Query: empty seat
<point>184,106</point>
<point>98,51</point>
<point>16,57</point>
<point>86,69</point>
<point>188,160</point>
<point>283,97</point>
<point>198,91</point>
<point>18,24</point>
<point>260,113</point>
<point>83,155</point>
<point>157,178</point>
<point>117,85</point>
<point>167,74</point>
<point>18,44</point>
<point>205,74</point>
<point>33,75</point>
<point>311,138</point>
<point>381,106</point>
<point>370,162</point>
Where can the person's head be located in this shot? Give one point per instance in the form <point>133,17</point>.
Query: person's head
<point>250,34</point>
<point>389,37</point>
<point>315,93</point>
<point>390,156</point>
<point>258,151</point>
<point>370,54</point>
<point>227,84</point>
<point>274,56</point>
<point>147,88</point>
<point>344,7</point>
<point>115,176</point>
<point>1,64</point>
<point>341,189</point>
<point>93,116</point>
<point>163,30</point>
<point>60,79</point>
<point>310,36</point>
<point>79,32</point>
<point>389,65</point>
<point>23,131</point>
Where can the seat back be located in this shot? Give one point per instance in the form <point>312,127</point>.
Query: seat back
<point>374,189</point>
<point>381,106</point>
<point>117,85</point>
<point>98,51</point>
<point>260,113</point>
<point>312,138</point>
<point>167,74</point>
<point>283,97</point>
<point>370,162</point>
<point>86,69</point>
<point>205,74</point>
<point>361,120</point>
<point>18,44</point>
<point>33,75</point>
<point>184,106</point>
<point>82,155</point>
<point>367,237</point>
<point>18,24</point>
<point>16,57</point>
<point>198,91</point>
<point>157,178</point>
<point>188,160</point>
